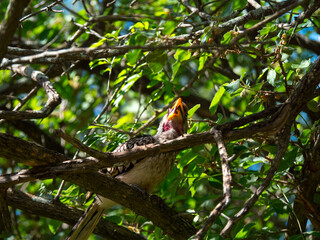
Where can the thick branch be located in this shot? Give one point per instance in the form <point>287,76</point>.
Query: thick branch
<point>130,197</point>
<point>305,89</point>
<point>38,135</point>
<point>28,153</point>
<point>65,169</point>
<point>10,23</point>
<point>43,207</point>
<point>106,187</point>
<point>148,206</point>
<point>44,172</point>
<point>73,54</point>
<point>306,43</point>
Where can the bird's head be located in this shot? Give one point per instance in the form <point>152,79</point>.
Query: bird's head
<point>176,118</point>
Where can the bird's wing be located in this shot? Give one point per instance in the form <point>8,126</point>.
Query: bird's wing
<point>127,146</point>
<point>125,167</point>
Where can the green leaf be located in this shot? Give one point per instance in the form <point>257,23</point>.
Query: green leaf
<point>54,226</point>
<point>226,38</point>
<point>132,56</point>
<point>193,110</point>
<point>152,83</point>
<point>140,26</point>
<point>303,64</point>
<point>115,219</point>
<point>169,27</point>
<point>269,28</point>
<point>227,8</point>
<point>271,77</point>
<point>136,39</point>
<point>233,86</point>
<point>121,76</point>
<point>206,35</point>
<point>156,60</point>
<point>262,73</point>
<point>182,55</point>
<point>288,160</point>
<point>98,62</point>
<point>316,197</point>
<point>175,69</point>
<point>216,99</point>
<point>202,61</point>
<point>279,206</point>
<point>156,94</point>
<point>99,43</point>
<point>125,88</point>
<point>168,89</point>
<point>313,233</point>
<point>244,231</point>
<point>313,105</point>
<point>297,237</point>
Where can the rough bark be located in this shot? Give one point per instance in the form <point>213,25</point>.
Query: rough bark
<point>55,210</point>
<point>10,23</point>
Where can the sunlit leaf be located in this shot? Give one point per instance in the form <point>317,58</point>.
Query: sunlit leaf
<point>175,69</point>
<point>244,231</point>
<point>156,60</point>
<point>169,27</point>
<point>303,64</point>
<point>216,99</point>
<point>233,86</point>
<point>313,105</point>
<point>271,77</point>
<point>182,55</point>
<point>193,110</point>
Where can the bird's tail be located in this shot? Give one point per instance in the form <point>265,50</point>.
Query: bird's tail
<point>87,223</point>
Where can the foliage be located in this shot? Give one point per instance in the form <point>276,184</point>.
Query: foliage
<point>125,59</point>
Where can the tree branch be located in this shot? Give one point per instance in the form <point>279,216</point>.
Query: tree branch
<point>262,23</point>
<point>28,153</point>
<point>102,185</point>
<point>256,14</point>
<point>53,97</point>
<point>55,210</point>
<point>226,178</point>
<point>163,216</point>
<point>283,142</point>
<point>10,23</point>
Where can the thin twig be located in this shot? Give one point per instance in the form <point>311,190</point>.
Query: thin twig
<point>111,128</point>
<point>226,179</point>
<point>262,23</point>
<point>47,8</point>
<point>283,142</point>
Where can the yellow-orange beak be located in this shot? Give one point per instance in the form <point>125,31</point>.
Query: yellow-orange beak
<point>177,111</point>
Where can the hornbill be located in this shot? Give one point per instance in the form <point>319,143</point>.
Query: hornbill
<point>144,173</point>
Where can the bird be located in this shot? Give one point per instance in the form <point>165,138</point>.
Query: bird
<point>143,173</point>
